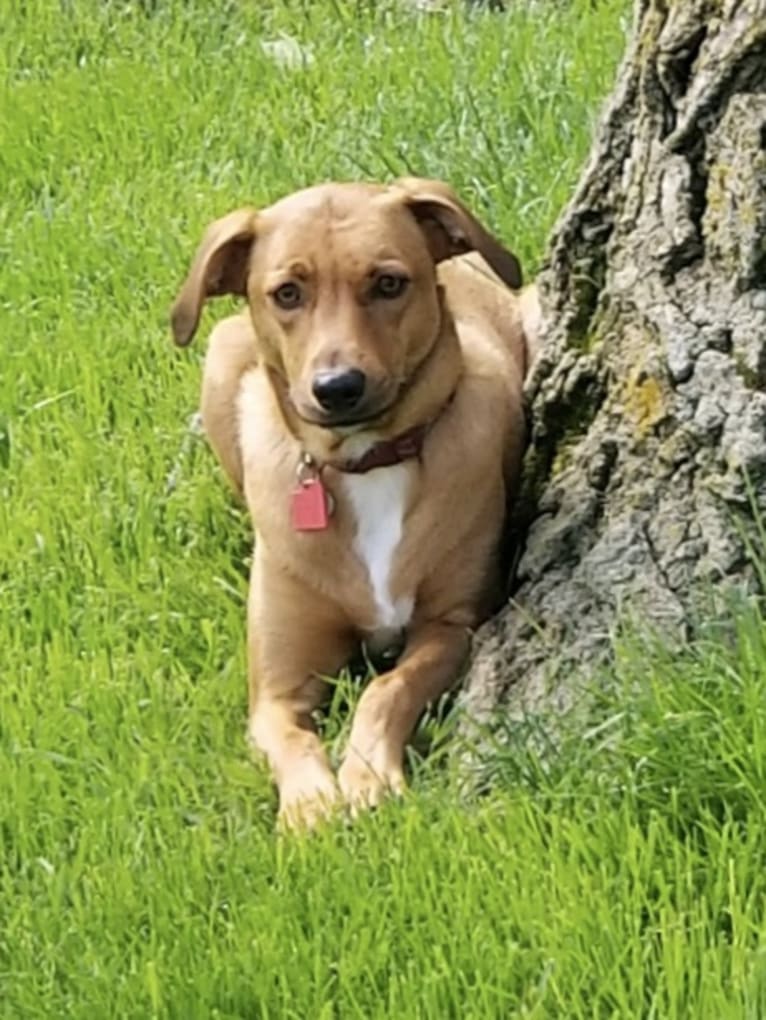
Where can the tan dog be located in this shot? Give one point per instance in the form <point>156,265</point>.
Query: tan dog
<point>369,408</point>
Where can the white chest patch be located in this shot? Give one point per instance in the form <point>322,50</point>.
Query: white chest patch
<point>379,500</point>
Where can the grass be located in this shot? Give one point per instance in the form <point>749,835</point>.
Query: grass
<point>619,874</point>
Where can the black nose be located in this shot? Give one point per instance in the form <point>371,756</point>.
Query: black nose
<point>339,391</point>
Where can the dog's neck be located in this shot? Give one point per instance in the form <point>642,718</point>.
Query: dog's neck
<point>424,397</point>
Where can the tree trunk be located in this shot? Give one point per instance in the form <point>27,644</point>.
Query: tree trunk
<point>648,407</point>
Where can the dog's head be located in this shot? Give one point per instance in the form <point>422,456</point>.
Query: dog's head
<point>342,287</point>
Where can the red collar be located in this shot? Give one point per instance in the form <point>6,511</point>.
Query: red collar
<point>311,505</point>
<point>406,446</point>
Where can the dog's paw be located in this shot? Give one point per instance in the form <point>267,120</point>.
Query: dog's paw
<point>303,808</point>
<point>365,784</point>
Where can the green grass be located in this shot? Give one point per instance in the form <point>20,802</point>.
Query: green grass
<point>617,874</point>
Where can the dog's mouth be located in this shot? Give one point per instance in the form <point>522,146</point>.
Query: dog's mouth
<point>367,414</point>
<point>337,422</point>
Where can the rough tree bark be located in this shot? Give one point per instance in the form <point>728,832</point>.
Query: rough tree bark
<point>648,408</point>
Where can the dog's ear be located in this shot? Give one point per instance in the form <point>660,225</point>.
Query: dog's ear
<point>219,267</point>
<point>451,229</point>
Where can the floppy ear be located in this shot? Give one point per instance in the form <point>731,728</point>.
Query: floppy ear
<point>219,267</point>
<point>451,229</point>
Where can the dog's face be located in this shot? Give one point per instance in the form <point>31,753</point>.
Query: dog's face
<point>343,294</point>
<point>341,283</point>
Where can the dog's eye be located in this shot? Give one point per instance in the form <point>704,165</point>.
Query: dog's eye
<point>389,286</point>
<point>287,296</point>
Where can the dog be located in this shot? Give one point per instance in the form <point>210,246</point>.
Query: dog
<point>368,407</point>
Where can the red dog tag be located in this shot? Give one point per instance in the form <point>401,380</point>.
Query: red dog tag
<point>309,506</point>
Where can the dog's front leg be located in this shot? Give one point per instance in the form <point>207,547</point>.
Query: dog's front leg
<point>390,707</point>
<point>294,640</point>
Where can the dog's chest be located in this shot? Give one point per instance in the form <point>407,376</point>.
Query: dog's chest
<point>379,502</point>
